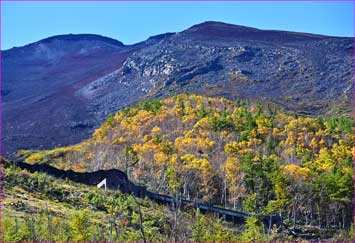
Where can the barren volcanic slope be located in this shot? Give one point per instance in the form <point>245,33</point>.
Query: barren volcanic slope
<point>41,105</point>
<point>57,90</point>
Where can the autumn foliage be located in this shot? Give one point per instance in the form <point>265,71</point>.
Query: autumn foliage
<point>237,154</point>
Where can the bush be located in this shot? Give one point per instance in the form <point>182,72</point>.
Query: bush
<point>152,106</point>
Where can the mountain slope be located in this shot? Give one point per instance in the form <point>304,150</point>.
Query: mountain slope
<point>56,91</point>
<point>40,105</point>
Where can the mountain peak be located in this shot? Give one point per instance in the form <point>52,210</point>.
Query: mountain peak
<point>214,26</point>
<point>82,37</point>
<point>214,29</point>
<point>218,24</point>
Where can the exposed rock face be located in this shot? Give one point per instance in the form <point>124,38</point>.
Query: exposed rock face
<point>56,91</point>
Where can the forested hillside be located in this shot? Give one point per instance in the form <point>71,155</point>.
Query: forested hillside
<point>39,208</point>
<point>237,154</point>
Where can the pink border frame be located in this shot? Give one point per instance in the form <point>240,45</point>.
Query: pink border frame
<point>146,1</point>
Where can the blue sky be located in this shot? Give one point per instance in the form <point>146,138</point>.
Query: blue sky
<point>131,22</point>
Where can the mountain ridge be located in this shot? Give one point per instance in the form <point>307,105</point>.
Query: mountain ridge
<point>208,24</point>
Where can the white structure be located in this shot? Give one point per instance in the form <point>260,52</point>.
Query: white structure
<point>102,183</point>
